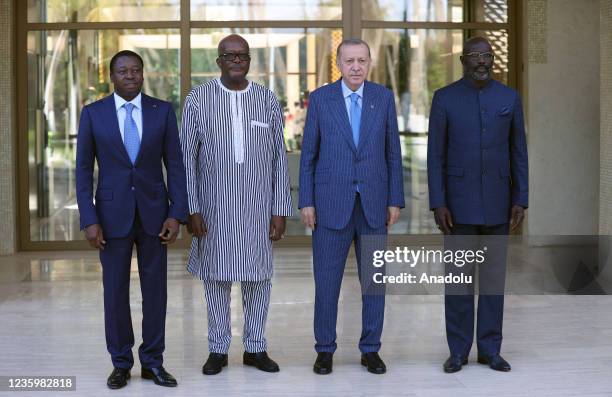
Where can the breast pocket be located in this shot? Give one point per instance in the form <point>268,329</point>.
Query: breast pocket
<point>503,118</point>
<point>255,123</point>
<point>260,133</point>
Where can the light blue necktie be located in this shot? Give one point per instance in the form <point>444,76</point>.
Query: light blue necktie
<point>131,139</point>
<point>355,117</point>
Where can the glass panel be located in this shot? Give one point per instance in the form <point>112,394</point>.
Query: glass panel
<point>490,11</point>
<point>103,10</point>
<point>265,10</point>
<point>66,70</point>
<point>291,62</point>
<point>413,64</point>
<point>413,10</point>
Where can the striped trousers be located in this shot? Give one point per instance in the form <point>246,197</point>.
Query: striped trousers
<point>255,302</point>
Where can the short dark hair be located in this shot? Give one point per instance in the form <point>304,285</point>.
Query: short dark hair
<point>352,42</point>
<point>125,53</point>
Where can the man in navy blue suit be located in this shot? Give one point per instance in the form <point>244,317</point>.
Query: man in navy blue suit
<point>351,189</point>
<point>130,134</point>
<point>478,185</point>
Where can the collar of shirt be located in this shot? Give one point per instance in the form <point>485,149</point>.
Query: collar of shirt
<point>122,113</point>
<point>248,87</point>
<point>346,92</point>
<point>137,102</point>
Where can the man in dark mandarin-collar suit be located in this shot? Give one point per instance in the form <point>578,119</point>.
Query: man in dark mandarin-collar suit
<point>351,188</point>
<point>478,186</point>
<point>130,134</point>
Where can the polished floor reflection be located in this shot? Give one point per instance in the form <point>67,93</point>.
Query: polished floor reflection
<point>52,324</point>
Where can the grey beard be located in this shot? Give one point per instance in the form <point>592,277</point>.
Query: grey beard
<point>481,76</point>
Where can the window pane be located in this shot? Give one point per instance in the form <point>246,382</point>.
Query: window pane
<point>413,64</point>
<point>413,10</point>
<point>262,10</point>
<point>66,70</point>
<point>490,11</point>
<point>291,62</point>
<point>435,10</point>
<point>103,10</point>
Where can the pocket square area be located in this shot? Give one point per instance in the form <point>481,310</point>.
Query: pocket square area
<point>503,111</point>
<point>259,124</point>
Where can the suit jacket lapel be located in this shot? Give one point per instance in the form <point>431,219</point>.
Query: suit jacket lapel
<point>115,132</point>
<point>339,112</point>
<point>368,109</point>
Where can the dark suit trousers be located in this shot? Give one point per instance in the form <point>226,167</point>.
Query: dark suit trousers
<point>330,250</point>
<point>459,298</point>
<point>152,269</point>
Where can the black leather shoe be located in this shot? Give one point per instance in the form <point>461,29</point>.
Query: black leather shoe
<point>159,376</point>
<point>118,378</point>
<point>454,364</point>
<point>260,361</point>
<point>214,364</point>
<point>495,362</point>
<point>374,363</point>
<point>324,363</point>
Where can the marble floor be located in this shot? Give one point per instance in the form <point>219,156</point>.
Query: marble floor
<point>51,323</point>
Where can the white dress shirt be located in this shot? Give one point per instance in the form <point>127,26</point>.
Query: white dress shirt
<point>136,113</point>
<point>346,93</point>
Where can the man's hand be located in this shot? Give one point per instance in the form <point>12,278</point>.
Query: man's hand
<point>393,214</point>
<point>309,217</point>
<point>444,219</point>
<point>277,228</point>
<point>93,234</point>
<point>196,225</point>
<point>169,231</point>
<point>517,214</point>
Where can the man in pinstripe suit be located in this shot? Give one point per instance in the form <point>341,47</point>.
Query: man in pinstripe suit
<point>238,193</point>
<point>351,188</point>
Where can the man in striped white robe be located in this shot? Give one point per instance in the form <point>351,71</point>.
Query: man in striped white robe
<point>238,191</point>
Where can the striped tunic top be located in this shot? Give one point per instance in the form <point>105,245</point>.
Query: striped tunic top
<point>237,178</point>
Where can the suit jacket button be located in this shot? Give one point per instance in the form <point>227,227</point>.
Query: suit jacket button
<point>133,188</point>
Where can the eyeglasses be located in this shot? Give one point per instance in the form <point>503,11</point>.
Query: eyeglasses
<point>229,57</point>
<point>487,56</point>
